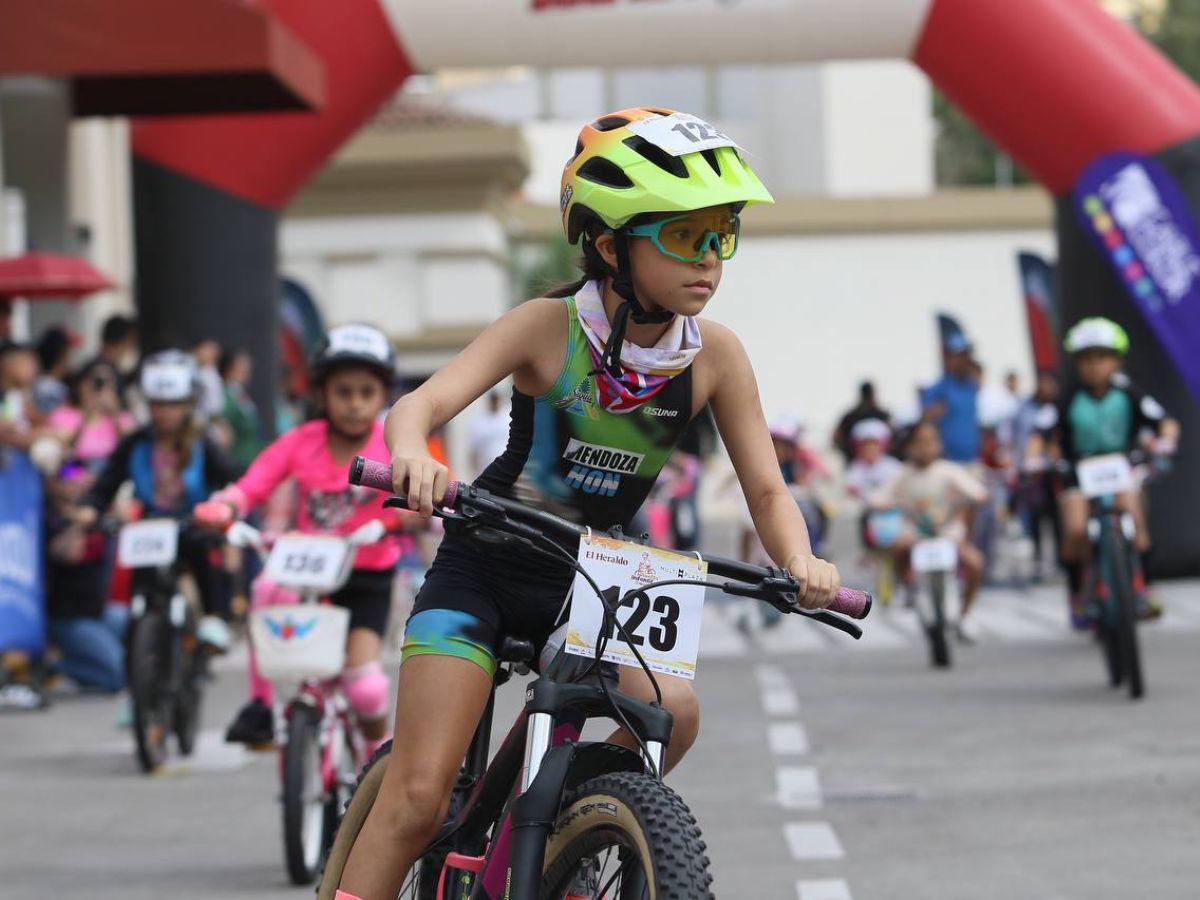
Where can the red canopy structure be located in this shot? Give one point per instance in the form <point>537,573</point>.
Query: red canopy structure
<point>34,276</point>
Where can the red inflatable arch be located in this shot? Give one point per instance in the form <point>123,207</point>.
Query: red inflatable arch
<point>1056,83</point>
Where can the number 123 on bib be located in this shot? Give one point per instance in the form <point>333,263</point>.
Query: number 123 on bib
<point>663,623</point>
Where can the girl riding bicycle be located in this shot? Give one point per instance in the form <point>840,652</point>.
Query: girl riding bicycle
<point>607,374</point>
<point>352,373</point>
<point>173,467</point>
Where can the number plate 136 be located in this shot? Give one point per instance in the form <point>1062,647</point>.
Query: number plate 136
<point>663,623</point>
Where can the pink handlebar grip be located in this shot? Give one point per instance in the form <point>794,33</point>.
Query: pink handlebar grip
<point>852,603</point>
<point>372,474</point>
<point>377,475</point>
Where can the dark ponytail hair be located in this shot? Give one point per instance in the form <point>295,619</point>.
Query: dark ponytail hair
<point>592,263</point>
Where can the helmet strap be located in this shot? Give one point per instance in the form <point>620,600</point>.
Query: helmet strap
<point>632,308</point>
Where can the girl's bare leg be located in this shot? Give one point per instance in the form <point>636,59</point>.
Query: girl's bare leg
<point>439,701</point>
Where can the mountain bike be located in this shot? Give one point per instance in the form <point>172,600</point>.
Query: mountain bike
<point>167,667</point>
<point>552,816</point>
<point>1113,565</point>
<point>302,649</point>
<point>934,562</point>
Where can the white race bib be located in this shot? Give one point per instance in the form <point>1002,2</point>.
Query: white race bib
<point>1104,476</point>
<point>939,555</point>
<point>148,544</point>
<point>681,133</point>
<point>663,623</point>
<point>308,562</point>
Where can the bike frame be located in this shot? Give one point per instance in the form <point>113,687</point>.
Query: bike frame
<point>520,792</point>
<point>336,721</point>
<point>538,761</point>
<point>157,590</point>
<point>1104,518</point>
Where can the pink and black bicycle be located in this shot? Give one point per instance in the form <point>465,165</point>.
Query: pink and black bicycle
<point>552,816</point>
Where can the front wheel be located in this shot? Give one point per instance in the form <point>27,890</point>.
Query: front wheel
<point>625,835</point>
<point>939,644</point>
<point>1125,620</point>
<point>304,801</point>
<point>149,688</point>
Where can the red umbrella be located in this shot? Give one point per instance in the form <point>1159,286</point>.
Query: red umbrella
<point>36,275</point>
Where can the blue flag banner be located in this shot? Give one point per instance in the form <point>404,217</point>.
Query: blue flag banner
<point>1141,221</point>
<point>22,604</point>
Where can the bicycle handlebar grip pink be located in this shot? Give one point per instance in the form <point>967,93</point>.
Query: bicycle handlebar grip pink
<point>377,475</point>
<point>852,603</point>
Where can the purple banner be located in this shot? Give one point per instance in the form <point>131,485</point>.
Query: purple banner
<point>1141,220</point>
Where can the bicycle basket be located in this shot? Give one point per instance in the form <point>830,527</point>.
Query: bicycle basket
<point>298,643</point>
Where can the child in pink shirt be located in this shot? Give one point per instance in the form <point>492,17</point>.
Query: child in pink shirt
<point>352,376</point>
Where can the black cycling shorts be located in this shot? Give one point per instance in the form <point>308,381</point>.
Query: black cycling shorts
<point>368,596</point>
<point>506,592</point>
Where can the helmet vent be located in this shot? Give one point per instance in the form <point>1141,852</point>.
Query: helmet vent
<point>603,171</point>
<point>657,155</point>
<point>711,156</point>
<point>660,112</point>
<point>610,123</point>
<point>578,150</point>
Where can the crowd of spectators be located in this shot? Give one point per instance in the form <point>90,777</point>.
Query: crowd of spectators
<point>68,414</point>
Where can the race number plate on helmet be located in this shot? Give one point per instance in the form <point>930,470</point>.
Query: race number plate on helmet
<point>145,545</point>
<point>680,133</point>
<point>1104,476</point>
<point>309,562</point>
<point>663,623</point>
<point>938,555</point>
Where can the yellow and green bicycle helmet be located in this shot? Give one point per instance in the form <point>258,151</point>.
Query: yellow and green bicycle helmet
<point>617,174</point>
<point>1097,333</point>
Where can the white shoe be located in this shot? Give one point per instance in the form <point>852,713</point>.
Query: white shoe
<point>967,632</point>
<point>214,632</point>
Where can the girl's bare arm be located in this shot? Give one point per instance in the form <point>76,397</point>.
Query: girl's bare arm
<point>527,343</point>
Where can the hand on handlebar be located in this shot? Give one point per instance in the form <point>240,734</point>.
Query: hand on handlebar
<point>819,580</point>
<point>419,478</point>
<point>215,514</point>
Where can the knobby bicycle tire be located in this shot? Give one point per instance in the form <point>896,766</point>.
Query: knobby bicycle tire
<point>646,821</point>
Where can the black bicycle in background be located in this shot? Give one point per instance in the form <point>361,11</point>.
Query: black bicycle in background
<point>551,816</point>
<point>1114,567</point>
<point>167,665</point>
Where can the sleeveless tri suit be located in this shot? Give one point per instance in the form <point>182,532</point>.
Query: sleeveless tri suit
<point>569,455</point>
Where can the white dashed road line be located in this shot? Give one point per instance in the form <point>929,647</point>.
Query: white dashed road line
<point>798,787</point>
<point>787,738</point>
<point>823,889</point>
<point>812,841</point>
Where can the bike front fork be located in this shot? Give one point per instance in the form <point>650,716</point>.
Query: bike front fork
<point>539,738</point>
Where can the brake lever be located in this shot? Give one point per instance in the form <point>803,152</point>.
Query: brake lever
<point>776,591</point>
<point>825,617</point>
